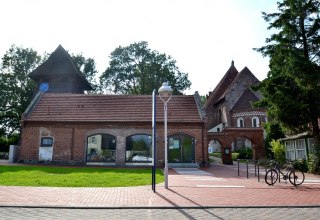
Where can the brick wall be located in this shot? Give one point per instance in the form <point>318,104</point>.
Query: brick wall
<point>70,139</point>
<point>229,135</point>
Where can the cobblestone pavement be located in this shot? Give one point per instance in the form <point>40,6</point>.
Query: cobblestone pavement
<point>215,192</point>
<point>176,214</point>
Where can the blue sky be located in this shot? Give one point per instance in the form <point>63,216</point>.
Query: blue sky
<point>203,36</point>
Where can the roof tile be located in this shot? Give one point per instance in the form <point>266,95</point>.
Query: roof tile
<point>59,107</point>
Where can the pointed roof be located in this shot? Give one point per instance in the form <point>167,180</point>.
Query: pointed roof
<point>243,73</point>
<point>223,84</point>
<point>58,64</point>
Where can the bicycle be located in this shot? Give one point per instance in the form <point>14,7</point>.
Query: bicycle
<point>295,177</point>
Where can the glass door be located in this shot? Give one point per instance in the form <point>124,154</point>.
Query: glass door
<point>181,149</point>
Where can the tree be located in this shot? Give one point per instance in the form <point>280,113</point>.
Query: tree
<point>16,88</point>
<point>273,131</point>
<point>291,89</point>
<point>136,69</point>
<point>88,67</point>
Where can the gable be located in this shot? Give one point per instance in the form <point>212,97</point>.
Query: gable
<point>245,79</point>
<point>245,101</point>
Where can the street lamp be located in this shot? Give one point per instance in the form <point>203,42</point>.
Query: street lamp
<point>165,93</point>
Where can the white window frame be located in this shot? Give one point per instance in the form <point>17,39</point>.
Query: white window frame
<point>300,148</point>
<point>257,122</point>
<point>290,152</point>
<point>239,120</point>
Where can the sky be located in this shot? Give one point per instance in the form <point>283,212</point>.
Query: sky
<point>203,36</point>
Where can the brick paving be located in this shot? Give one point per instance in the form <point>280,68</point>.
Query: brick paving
<point>215,186</point>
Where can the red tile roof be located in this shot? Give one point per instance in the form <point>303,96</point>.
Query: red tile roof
<point>59,107</point>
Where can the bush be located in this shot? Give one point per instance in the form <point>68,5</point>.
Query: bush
<point>235,156</point>
<point>312,163</point>
<point>245,153</point>
<point>301,164</point>
<point>279,151</point>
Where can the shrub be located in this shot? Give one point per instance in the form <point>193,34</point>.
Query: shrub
<point>279,151</point>
<point>312,163</point>
<point>235,156</point>
<point>245,153</point>
<point>301,164</point>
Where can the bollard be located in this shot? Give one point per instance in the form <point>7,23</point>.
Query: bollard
<point>238,167</point>
<point>255,168</point>
<point>247,170</point>
<point>258,171</point>
<point>272,176</point>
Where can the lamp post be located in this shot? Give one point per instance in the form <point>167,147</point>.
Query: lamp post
<point>165,93</point>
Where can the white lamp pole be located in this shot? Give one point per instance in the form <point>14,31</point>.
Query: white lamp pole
<point>165,93</point>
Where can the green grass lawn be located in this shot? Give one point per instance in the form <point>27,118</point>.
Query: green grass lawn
<point>76,177</point>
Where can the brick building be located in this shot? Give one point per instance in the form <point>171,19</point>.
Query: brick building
<point>77,128</point>
<point>64,125</point>
<point>232,121</point>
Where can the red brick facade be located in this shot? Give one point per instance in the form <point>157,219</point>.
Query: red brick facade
<point>70,139</point>
<point>229,135</point>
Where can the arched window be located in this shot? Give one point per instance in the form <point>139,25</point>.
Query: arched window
<point>181,149</point>
<point>255,122</point>
<point>240,122</point>
<point>220,116</point>
<point>101,148</point>
<point>139,148</point>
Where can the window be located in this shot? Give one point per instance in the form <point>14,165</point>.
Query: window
<point>139,148</point>
<point>301,149</point>
<point>290,155</point>
<point>46,142</point>
<point>101,148</point>
<point>296,149</point>
<point>92,140</point>
<point>255,122</point>
<point>220,115</point>
<point>240,122</point>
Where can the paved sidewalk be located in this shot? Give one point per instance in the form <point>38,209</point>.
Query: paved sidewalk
<point>215,186</point>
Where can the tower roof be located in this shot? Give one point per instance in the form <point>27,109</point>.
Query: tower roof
<point>59,64</point>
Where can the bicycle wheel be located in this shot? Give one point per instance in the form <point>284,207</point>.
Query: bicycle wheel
<point>271,177</point>
<point>296,177</point>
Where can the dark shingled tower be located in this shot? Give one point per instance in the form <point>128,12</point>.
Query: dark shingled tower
<point>61,74</point>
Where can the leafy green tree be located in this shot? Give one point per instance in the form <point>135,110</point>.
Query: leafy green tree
<point>88,67</point>
<point>274,131</point>
<point>136,69</point>
<point>291,90</point>
<point>16,88</point>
